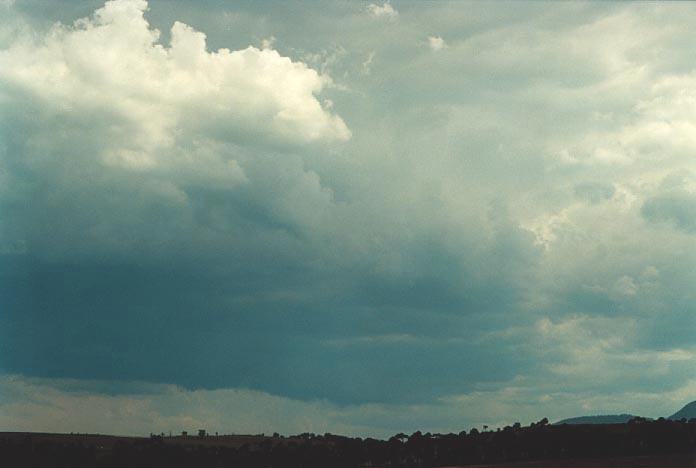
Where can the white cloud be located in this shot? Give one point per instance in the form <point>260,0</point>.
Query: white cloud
<point>625,286</point>
<point>436,43</point>
<point>384,11</point>
<point>113,64</point>
<point>268,42</point>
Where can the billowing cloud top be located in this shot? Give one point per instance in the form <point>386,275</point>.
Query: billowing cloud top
<point>436,43</point>
<point>113,63</point>
<point>385,10</point>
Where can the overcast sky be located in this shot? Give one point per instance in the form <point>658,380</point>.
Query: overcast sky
<point>342,216</point>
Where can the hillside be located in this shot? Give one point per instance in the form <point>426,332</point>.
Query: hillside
<point>688,412</point>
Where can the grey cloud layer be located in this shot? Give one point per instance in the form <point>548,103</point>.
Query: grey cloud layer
<point>517,204</point>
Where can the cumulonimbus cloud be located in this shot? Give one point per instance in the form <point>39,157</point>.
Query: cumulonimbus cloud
<point>103,103</point>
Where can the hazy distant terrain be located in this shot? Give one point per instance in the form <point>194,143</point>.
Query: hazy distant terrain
<point>687,412</point>
<point>600,419</point>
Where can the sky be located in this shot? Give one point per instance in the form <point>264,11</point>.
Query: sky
<point>348,217</point>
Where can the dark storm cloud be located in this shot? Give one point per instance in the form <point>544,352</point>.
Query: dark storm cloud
<point>197,332</point>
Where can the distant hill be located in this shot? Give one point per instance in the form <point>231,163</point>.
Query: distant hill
<point>688,412</point>
<point>600,419</point>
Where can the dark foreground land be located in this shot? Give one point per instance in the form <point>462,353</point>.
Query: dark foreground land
<point>654,461</point>
<point>639,443</point>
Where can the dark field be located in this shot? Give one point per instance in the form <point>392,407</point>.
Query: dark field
<point>637,444</point>
<point>107,442</point>
<point>658,461</point>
